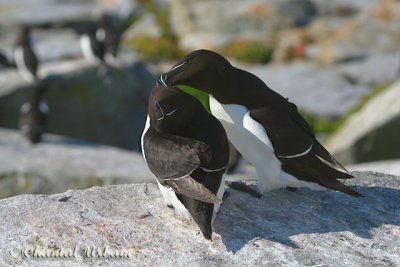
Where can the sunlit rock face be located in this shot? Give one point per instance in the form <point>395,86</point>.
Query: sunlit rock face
<point>129,225</point>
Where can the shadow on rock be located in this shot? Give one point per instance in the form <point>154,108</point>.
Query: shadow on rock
<point>281,214</point>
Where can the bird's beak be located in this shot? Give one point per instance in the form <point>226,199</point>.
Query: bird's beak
<point>167,79</point>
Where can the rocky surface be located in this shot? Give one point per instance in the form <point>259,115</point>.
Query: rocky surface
<point>334,26</point>
<point>383,166</point>
<point>253,19</point>
<point>372,133</point>
<point>103,105</point>
<point>56,25</point>
<point>58,164</point>
<point>53,12</point>
<point>374,69</point>
<point>305,228</point>
<point>321,91</point>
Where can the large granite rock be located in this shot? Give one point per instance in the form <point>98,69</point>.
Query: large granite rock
<point>339,36</point>
<point>57,24</point>
<point>49,44</point>
<point>58,13</point>
<point>384,166</point>
<point>58,164</point>
<point>103,105</point>
<point>372,133</point>
<point>129,225</point>
<point>374,69</point>
<point>321,91</point>
<point>253,19</point>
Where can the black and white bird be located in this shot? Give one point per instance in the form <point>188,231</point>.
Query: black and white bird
<point>25,57</point>
<point>187,150</point>
<point>33,115</point>
<point>265,127</point>
<point>92,49</point>
<point>109,36</point>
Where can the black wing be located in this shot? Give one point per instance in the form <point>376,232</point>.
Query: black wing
<point>287,138</point>
<point>300,153</point>
<point>172,159</point>
<point>31,60</point>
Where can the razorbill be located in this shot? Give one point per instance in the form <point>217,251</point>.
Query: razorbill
<point>25,58</point>
<point>33,115</point>
<point>187,150</point>
<point>265,127</point>
<point>92,49</point>
<point>108,35</point>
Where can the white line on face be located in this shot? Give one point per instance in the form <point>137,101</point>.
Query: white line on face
<point>172,112</point>
<point>162,111</point>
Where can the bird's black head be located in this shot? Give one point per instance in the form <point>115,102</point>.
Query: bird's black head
<point>202,69</point>
<point>170,109</point>
<point>105,20</point>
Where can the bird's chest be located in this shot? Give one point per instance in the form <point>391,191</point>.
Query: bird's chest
<point>227,114</point>
<point>246,134</point>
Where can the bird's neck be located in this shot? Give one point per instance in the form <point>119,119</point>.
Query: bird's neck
<point>202,96</point>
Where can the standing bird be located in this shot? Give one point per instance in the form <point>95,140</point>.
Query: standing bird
<point>187,150</point>
<point>92,49</point>
<point>25,58</point>
<point>109,37</point>
<point>265,127</point>
<point>33,115</point>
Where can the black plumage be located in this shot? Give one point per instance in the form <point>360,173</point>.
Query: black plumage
<point>25,57</point>
<point>93,50</point>
<point>288,131</point>
<point>109,36</point>
<point>186,148</point>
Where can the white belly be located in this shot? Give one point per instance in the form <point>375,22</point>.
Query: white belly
<point>252,141</point>
<point>87,49</point>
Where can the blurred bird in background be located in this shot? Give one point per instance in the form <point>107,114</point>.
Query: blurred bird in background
<point>25,57</point>
<point>33,115</point>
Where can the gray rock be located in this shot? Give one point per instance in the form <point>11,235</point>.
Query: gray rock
<point>384,166</point>
<point>283,228</point>
<point>60,13</point>
<point>253,19</point>
<point>297,13</point>
<point>375,69</point>
<point>372,133</point>
<point>48,44</point>
<point>343,7</point>
<point>318,90</point>
<point>58,164</point>
<point>146,26</point>
<point>107,106</point>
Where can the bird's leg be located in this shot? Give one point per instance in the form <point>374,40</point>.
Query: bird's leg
<point>241,186</point>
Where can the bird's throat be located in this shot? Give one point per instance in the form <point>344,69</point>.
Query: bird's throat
<point>200,95</point>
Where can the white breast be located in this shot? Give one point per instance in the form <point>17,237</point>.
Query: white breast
<point>250,138</point>
<point>87,49</point>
